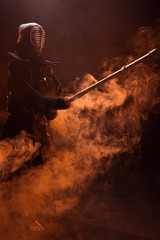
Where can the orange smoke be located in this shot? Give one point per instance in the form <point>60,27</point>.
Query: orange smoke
<point>103,124</point>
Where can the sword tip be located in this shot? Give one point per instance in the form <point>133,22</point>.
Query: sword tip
<point>154,51</point>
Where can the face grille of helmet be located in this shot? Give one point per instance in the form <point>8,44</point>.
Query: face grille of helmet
<point>37,38</point>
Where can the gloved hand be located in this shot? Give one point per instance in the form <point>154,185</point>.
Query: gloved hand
<point>61,103</point>
<point>52,103</point>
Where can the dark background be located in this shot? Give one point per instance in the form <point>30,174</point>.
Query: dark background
<point>80,34</point>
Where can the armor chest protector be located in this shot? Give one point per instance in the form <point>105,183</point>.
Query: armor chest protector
<point>43,80</point>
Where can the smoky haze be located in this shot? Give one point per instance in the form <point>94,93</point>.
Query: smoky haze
<point>91,137</point>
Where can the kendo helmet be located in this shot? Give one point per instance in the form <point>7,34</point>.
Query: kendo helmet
<point>32,35</point>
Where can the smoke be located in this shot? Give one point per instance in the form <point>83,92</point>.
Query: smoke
<point>14,153</point>
<point>101,125</point>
